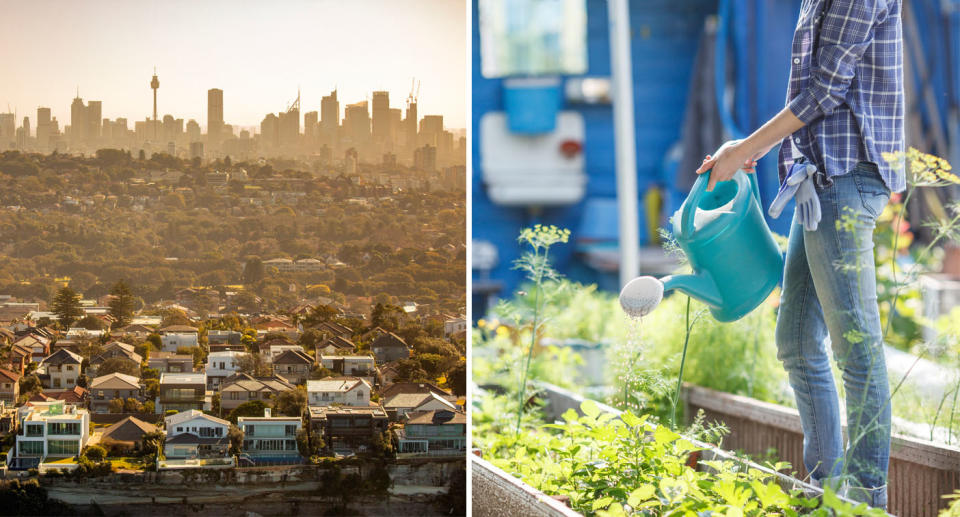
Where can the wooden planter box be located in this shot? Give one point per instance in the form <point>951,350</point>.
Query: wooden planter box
<point>495,493</point>
<point>921,472</point>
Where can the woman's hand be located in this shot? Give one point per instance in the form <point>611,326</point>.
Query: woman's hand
<point>731,157</point>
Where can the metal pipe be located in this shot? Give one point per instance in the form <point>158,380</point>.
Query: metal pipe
<point>621,72</point>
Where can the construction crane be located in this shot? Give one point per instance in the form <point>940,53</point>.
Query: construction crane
<point>412,97</point>
<point>296,104</point>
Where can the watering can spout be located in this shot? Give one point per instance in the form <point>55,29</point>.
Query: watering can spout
<point>700,286</point>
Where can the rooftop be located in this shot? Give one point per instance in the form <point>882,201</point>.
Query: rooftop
<point>183,378</point>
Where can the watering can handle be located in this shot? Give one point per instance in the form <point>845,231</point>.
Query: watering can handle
<point>693,201</point>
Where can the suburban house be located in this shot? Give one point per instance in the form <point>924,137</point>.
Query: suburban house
<point>270,437</point>
<point>293,365</point>
<point>278,343</point>
<point>182,391</point>
<point>169,362</point>
<point>135,331</point>
<point>221,365</point>
<point>388,373</point>
<point>352,365</point>
<point>348,428</point>
<point>412,387</point>
<point>244,387</point>
<point>61,369</point>
<point>193,434</point>
<point>9,387</point>
<point>115,350</point>
<point>75,395</point>
<point>273,351</point>
<point>18,358</point>
<point>115,385</point>
<point>50,430</point>
<point>401,404</point>
<point>454,325</point>
<point>336,345</point>
<point>224,337</point>
<point>438,432</point>
<point>38,345</point>
<point>333,329</point>
<point>389,347</point>
<point>175,336</point>
<point>348,391</point>
<point>126,435</point>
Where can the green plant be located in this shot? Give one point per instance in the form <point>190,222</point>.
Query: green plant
<point>611,466</point>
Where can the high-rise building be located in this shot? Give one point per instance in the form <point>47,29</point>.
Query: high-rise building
<point>395,126</point>
<point>8,130</point>
<point>311,127</point>
<point>94,112</point>
<point>381,118</point>
<point>193,131</point>
<point>43,128</point>
<point>23,134</point>
<point>269,132</point>
<point>410,124</point>
<point>356,124</point>
<point>78,121</point>
<point>329,118</point>
<point>430,128</point>
<point>289,125</point>
<point>214,116</point>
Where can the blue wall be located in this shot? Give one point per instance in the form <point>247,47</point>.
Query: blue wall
<point>665,35</point>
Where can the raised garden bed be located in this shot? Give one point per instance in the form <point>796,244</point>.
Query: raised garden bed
<point>920,474</point>
<point>496,493</point>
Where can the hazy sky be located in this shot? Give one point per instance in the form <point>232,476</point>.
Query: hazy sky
<point>257,52</point>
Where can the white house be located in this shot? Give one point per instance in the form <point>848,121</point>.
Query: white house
<point>62,368</point>
<point>50,430</point>
<point>352,365</point>
<point>453,325</point>
<point>193,434</point>
<point>276,350</point>
<point>221,365</point>
<point>349,391</point>
<point>174,336</point>
<point>269,435</point>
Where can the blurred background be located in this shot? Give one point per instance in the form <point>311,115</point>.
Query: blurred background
<point>554,142</point>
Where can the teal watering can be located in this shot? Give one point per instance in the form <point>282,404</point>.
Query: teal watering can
<point>736,263</point>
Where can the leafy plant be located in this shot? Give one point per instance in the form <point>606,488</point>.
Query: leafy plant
<point>611,466</point>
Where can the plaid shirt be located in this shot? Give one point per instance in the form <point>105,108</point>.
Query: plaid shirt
<point>849,93</point>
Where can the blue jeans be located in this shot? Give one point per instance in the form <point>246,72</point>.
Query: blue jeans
<point>829,287</point>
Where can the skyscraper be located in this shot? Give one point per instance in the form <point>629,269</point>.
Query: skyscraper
<point>78,121</point>
<point>329,118</point>
<point>410,124</point>
<point>214,116</point>
<point>94,112</point>
<point>311,127</point>
<point>381,118</point>
<point>430,128</point>
<point>43,128</point>
<point>356,124</point>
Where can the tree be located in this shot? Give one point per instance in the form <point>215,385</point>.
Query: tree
<point>236,439</point>
<point>250,408</point>
<point>457,379</point>
<point>292,402</point>
<point>410,370</point>
<point>253,364</point>
<point>253,271</point>
<point>309,443</point>
<point>66,305</point>
<point>149,407</point>
<point>132,405</point>
<point>151,443</point>
<point>432,364</point>
<point>91,322</point>
<point>156,342</point>
<point>115,406</point>
<point>118,364</point>
<point>122,305</point>
<point>30,384</point>
<point>95,453</point>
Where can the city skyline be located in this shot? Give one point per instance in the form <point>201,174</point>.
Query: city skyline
<point>251,51</point>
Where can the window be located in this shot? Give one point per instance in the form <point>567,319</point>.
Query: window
<point>533,37</point>
<point>100,394</point>
<point>360,395</point>
<point>30,448</point>
<point>34,429</point>
<point>179,428</point>
<point>69,367</point>
<point>63,428</point>
<point>234,395</point>
<point>290,430</point>
<point>63,447</point>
